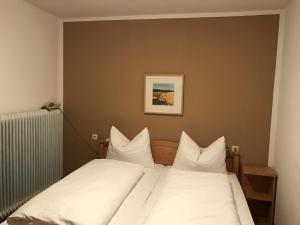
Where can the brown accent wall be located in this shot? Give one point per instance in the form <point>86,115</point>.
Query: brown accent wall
<point>229,67</point>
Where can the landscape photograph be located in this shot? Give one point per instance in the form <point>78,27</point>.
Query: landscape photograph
<point>163,94</point>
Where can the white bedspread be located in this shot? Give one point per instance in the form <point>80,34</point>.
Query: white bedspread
<point>89,196</point>
<point>194,198</point>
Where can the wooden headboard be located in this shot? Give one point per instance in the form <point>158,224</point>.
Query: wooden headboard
<point>164,152</point>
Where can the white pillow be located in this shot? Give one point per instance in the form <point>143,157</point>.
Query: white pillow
<point>192,157</point>
<point>187,154</point>
<point>137,150</point>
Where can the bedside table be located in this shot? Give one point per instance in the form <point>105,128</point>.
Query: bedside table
<point>259,186</point>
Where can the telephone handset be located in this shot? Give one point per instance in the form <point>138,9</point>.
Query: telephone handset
<point>51,106</point>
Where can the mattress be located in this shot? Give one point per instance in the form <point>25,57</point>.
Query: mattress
<point>139,203</point>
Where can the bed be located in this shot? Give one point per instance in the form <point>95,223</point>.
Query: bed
<point>164,153</point>
<point>142,206</point>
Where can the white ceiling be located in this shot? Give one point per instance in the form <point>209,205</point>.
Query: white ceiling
<point>104,8</point>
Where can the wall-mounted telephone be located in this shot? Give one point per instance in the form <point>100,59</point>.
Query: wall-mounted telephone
<point>51,106</point>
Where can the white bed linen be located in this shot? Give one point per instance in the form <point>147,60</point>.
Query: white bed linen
<point>239,198</point>
<point>194,198</point>
<point>89,196</point>
<point>240,201</point>
<point>132,207</point>
<point>139,203</point>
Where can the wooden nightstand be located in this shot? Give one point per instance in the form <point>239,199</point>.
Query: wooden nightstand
<point>259,186</point>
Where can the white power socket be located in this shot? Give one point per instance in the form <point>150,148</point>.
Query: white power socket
<point>235,148</point>
<point>94,137</point>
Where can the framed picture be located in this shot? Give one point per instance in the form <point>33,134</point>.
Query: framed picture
<point>164,94</point>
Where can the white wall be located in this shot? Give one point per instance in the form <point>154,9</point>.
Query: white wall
<point>29,57</point>
<point>287,154</point>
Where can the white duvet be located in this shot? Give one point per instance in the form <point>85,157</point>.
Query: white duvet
<point>89,196</point>
<point>194,198</point>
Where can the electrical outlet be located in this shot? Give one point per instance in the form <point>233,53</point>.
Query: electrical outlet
<point>235,148</point>
<point>94,137</point>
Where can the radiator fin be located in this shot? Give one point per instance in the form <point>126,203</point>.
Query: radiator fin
<point>31,156</point>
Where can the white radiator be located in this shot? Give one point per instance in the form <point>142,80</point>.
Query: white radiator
<point>31,156</point>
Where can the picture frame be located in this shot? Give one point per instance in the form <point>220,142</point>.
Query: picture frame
<point>164,94</point>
